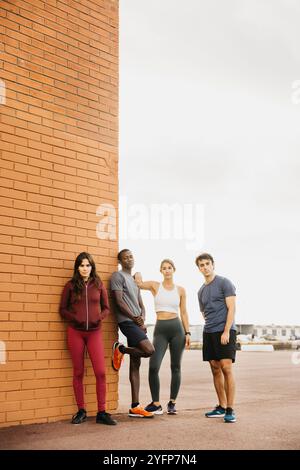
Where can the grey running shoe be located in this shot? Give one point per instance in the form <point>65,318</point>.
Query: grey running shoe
<point>171,408</point>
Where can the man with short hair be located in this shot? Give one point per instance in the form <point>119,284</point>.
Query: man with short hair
<point>130,312</point>
<point>217,304</point>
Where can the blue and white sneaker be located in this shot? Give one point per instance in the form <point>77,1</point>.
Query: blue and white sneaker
<point>218,412</point>
<point>156,410</point>
<point>229,416</point>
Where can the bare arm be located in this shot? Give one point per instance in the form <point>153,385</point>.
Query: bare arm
<point>141,319</point>
<point>141,304</point>
<point>184,316</point>
<point>202,312</point>
<point>152,286</point>
<point>230,302</point>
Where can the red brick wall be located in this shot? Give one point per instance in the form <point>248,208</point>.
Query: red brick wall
<point>59,157</point>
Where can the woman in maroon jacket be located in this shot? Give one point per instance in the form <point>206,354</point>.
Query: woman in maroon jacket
<point>84,304</point>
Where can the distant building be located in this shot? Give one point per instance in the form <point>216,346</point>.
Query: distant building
<point>282,332</point>
<point>244,329</point>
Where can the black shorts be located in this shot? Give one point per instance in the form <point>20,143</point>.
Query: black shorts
<point>133,333</point>
<point>213,350</point>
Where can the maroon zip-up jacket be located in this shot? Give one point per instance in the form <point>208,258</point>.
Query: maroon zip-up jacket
<point>87,312</point>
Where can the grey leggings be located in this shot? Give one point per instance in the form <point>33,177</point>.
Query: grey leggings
<point>167,333</point>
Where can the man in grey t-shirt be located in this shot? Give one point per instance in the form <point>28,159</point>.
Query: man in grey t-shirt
<point>217,304</point>
<point>123,281</point>
<point>130,314</point>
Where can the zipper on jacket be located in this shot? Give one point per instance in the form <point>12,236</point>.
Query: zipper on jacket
<point>87,307</point>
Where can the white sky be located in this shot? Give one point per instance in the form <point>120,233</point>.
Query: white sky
<point>207,117</point>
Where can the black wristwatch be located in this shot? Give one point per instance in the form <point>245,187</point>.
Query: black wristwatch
<point>187,333</point>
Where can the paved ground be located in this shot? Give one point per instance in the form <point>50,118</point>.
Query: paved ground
<point>267,408</point>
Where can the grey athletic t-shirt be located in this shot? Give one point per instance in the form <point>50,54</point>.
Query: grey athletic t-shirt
<point>124,282</point>
<point>212,303</point>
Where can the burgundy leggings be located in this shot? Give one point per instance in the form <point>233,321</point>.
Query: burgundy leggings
<point>77,341</point>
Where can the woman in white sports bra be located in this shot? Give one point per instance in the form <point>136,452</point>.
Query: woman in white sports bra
<point>170,330</point>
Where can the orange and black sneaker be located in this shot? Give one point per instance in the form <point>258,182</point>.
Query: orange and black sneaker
<point>139,412</point>
<point>117,356</point>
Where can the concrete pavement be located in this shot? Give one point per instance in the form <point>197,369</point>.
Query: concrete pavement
<point>267,406</point>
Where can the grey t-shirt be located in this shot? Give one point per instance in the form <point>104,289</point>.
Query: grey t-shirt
<point>212,303</point>
<point>124,282</point>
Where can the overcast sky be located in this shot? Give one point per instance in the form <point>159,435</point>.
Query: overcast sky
<point>208,117</point>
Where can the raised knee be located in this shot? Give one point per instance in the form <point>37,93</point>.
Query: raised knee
<point>149,351</point>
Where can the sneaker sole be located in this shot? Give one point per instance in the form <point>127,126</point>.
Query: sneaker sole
<point>171,413</point>
<point>139,416</point>
<point>231,421</point>
<point>159,412</point>
<point>215,416</point>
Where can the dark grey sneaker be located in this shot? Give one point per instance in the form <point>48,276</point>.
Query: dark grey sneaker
<point>105,418</point>
<point>79,417</point>
<point>171,408</point>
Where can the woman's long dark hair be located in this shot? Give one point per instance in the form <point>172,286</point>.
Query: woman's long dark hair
<point>77,279</point>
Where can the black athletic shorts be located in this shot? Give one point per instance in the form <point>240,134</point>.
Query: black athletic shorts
<point>133,333</point>
<point>213,350</point>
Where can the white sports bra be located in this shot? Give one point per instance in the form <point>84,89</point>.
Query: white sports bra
<point>167,300</point>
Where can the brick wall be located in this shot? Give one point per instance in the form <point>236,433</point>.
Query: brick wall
<point>59,156</point>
